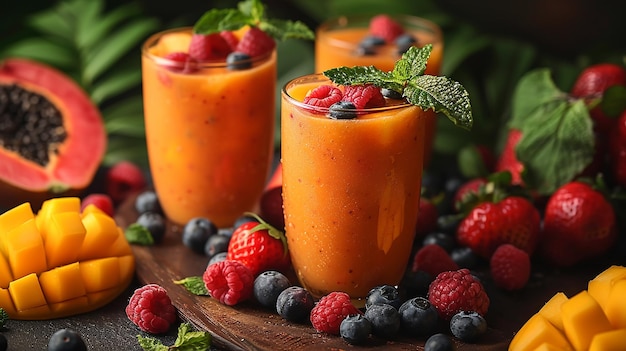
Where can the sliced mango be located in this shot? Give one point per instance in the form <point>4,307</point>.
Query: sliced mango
<point>582,319</point>
<point>615,306</point>
<point>614,340</point>
<point>61,261</point>
<point>552,310</point>
<point>547,347</point>
<point>600,286</point>
<point>537,331</point>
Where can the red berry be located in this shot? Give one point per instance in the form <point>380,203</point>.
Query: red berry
<point>426,218</point>
<point>180,62</point>
<point>101,201</point>
<point>455,291</point>
<point>468,189</point>
<point>364,96</point>
<point>323,96</point>
<point>230,38</point>
<point>385,27</point>
<point>123,179</point>
<point>433,259</point>
<point>229,281</point>
<point>330,311</point>
<point>507,161</point>
<point>510,267</point>
<point>208,47</point>
<point>256,42</point>
<point>151,309</point>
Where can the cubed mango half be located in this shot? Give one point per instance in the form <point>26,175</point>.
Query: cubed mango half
<point>537,331</point>
<point>582,319</point>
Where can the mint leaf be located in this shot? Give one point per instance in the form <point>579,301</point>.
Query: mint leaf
<point>188,340</point>
<point>557,144</point>
<point>217,20</point>
<point>194,285</point>
<point>254,9</point>
<point>441,94</point>
<point>534,89</point>
<point>138,234</point>
<point>282,30</point>
<point>151,344</point>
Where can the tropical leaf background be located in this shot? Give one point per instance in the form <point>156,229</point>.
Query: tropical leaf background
<point>488,47</point>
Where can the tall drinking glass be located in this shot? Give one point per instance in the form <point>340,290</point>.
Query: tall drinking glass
<point>209,130</point>
<point>351,190</point>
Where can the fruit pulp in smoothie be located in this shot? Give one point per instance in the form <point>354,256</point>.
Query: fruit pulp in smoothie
<point>209,132</point>
<point>337,44</point>
<point>351,192</point>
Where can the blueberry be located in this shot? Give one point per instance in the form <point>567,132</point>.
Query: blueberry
<point>4,344</point>
<point>391,94</point>
<point>385,320</point>
<point>404,42</point>
<point>418,317</point>
<point>268,285</point>
<point>468,326</point>
<point>446,241</point>
<point>218,257</point>
<point>342,110</point>
<point>148,201</point>
<point>439,342</point>
<point>355,329</point>
<point>384,294</point>
<point>416,283</point>
<point>367,46</point>
<point>66,340</point>
<point>196,233</point>
<point>238,61</point>
<point>155,223</point>
<point>295,304</point>
<point>464,257</point>
<point>215,244</point>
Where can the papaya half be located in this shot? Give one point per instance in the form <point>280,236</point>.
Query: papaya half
<point>52,136</point>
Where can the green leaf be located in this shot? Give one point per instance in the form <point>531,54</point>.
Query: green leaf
<point>138,234</point>
<point>151,344</point>
<point>117,44</point>
<point>557,144</point>
<point>52,23</point>
<point>126,148</point>
<point>100,28</point>
<point>412,64</point>
<point>188,340</point>
<point>114,84</point>
<point>124,108</point>
<point>217,20</point>
<point>466,42</point>
<point>283,30</point>
<point>43,50</point>
<point>533,89</point>
<point>4,317</point>
<point>363,75</point>
<point>253,9</point>
<point>614,101</point>
<point>129,125</point>
<point>194,285</point>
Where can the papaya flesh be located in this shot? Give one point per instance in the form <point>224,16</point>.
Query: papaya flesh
<point>61,261</point>
<point>52,136</point>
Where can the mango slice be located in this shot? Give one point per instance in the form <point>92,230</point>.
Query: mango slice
<point>582,319</point>
<point>537,331</point>
<point>61,261</point>
<point>615,306</point>
<point>614,340</point>
<point>600,286</point>
<point>552,310</point>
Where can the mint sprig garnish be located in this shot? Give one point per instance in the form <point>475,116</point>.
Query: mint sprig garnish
<point>139,235</point>
<point>186,340</point>
<point>251,13</point>
<point>439,93</point>
<point>557,140</point>
<point>194,285</point>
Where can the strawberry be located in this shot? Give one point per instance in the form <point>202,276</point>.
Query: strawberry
<point>256,42</point>
<point>271,203</point>
<point>383,26</point>
<point>467,191</point>
<point>591,84</point>
<point>507,161</point>
<point>617,151</point>
<point>579,223</point>
<point>513,220</point>
<point>426,217</point>
<point>259,246</point>
<point>206,47</point>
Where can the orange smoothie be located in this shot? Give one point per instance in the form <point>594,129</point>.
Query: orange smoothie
<point>351,191</point>
<point>337,44</point>
<point>209,132</point>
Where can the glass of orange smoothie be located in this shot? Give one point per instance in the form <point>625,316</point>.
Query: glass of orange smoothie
<point>347,41</point>
<point>209,130</point>
<point>351,190</point>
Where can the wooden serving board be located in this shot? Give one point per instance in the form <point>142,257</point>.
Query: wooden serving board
<point>248,326</point>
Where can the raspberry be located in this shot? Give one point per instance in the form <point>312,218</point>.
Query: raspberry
<point>455,291</point>
<point>208,47</point>
<point>256,43</point>
<point>123,179</point>
<point>180,62</point>
<point>101,201</point>
<point>330,310</point>
<point>433,259</point>
<point>323,96</point>
<point>364,96</point>
<point>385,27</point>
<point>510,267</point>
<point>151,309</point>
<point>228,281</point>
<point>230,38</point>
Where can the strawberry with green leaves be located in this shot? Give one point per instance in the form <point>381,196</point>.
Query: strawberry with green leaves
<point>498,215</point>
<point>617,151</point>
<point>579,224</point>
<point>259,246</point>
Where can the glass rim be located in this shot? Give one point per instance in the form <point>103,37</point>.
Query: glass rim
<point>320,77</point>
<point>418,22</point>
<point>162,61</point>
